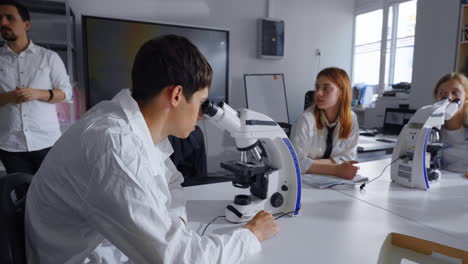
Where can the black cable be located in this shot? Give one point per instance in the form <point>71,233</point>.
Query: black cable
<point>214,219</point>
<point>361,188</point>
<point>211,223</point>
<point>283,214</point>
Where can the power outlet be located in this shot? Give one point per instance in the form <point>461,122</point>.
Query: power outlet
<point>318,52</point>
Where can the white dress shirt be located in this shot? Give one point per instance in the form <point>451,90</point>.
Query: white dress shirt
<point>454,154</point>
<point>31,125</point>
<point>310,142</point>
<point>104,178</point>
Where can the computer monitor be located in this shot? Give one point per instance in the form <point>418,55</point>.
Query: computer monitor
<point>395,119</point>
<point>111,45</point>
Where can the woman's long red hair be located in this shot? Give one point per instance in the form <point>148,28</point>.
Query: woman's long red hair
<point>340,78</point>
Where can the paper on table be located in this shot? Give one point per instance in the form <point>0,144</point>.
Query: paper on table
<point>325,181</point>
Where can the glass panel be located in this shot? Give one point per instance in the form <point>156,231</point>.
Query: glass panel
<point>368,27</point>
<point>403,64</point>
<point>403,57</point>
<point>405,42</point>
<point>406,19</point>
<point>366,64</point>
<point>368,33</point>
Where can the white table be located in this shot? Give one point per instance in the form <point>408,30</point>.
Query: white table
<point>444,206</point>
<point>333,226</point>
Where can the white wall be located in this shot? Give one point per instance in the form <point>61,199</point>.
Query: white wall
<point>309,24</point>
<point>434,48</point>
<point>324,24</point>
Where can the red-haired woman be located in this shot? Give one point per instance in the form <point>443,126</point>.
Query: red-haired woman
<point>325,136</point>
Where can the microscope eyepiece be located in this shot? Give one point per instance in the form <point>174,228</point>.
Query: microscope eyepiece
<point>457,101</point>
<point>209,108</point>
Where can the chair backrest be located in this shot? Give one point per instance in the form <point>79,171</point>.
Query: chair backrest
<point>309,99</point>
<point>189,155</point>
<point>13,189</point>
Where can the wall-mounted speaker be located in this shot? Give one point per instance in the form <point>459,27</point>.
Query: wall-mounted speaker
<point>270,43</point>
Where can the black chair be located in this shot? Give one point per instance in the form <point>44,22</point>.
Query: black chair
<point>13,189</point>
<point>189,156</point>
<point>309,99</point>
<point>286,127</point>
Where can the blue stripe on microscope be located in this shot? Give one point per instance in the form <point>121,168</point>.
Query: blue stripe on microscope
<point>424,157</point>
<point>298,174</point>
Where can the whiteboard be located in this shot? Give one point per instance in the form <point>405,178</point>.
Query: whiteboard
<point>266,94</point>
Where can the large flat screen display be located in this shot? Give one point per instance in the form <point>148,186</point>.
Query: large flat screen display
<point>111,45</point>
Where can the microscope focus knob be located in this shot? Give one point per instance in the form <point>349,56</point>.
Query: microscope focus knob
<point>433,175</point>
<point>277,200</point>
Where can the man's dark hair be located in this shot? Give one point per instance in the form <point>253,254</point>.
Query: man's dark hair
<point>169,60</point>
<point>22,10</point>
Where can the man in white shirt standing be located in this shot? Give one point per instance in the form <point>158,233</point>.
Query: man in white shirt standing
<point>117,182</point>
<point>32,80</point>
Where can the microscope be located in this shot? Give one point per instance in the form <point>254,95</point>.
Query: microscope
<point>268,164</point>
<point>416,158</point>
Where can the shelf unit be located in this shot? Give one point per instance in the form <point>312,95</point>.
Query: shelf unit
<point>53,27</point>
<point>462,46</point>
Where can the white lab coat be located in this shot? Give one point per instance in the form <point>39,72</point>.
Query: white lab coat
<point>454,154</point>
<point>310,142</point>
<point>105,178</point>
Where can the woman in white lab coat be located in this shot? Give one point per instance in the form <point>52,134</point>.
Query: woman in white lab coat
<point>325,136</point>
<point>454,132</point>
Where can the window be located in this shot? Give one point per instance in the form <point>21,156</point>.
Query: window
<point>367,44</point>
<point>401,41</point>
<point>398,48</point>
